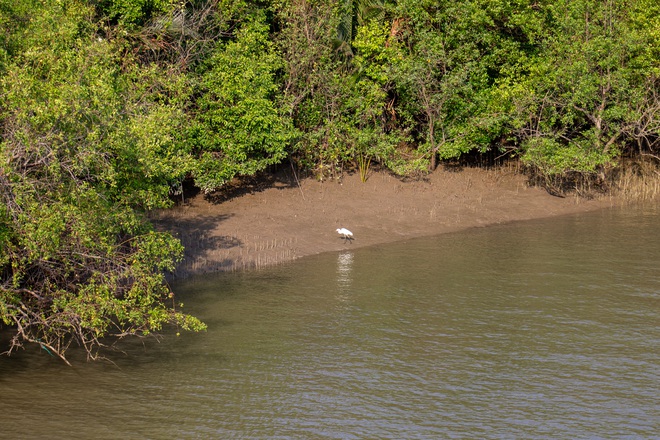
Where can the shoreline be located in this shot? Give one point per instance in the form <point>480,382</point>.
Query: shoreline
<point>283,219</point>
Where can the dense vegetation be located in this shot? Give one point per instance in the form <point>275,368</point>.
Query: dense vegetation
<point>108,106</point>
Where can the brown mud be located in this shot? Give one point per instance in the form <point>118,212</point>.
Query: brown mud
<point>283,218</point>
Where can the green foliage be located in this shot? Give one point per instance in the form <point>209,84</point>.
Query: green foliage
<point>351,15</point>
<point>553,158</point>
<point>343,110</point>
<point>428,80</point>
<point>312,81</point>
<point>14,17</point>
<point>587,88</point>
<point>87,145</point>
<point>238,128</point>
<point>134,12</point>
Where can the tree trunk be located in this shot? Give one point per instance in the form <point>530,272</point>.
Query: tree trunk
<point>434,148</point>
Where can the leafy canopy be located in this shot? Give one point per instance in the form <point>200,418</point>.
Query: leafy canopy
<point>85,149</point>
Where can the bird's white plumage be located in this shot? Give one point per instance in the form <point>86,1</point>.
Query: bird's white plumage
<point>345,233</point>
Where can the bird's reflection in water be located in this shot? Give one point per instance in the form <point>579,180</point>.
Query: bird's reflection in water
<point>344,273</point>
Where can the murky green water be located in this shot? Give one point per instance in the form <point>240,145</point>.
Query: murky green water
<point>537,330</point>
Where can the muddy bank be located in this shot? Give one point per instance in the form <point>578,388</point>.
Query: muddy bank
<point>286,218</point>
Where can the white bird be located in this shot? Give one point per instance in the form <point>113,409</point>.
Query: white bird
<point>345,233</point>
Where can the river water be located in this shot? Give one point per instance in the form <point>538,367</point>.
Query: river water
<point>544,329</point>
